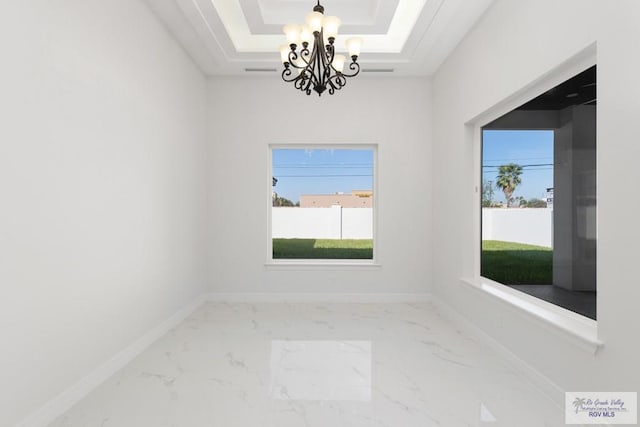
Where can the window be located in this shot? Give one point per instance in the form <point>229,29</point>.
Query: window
<point>322,203</point>
<point>539,196</point>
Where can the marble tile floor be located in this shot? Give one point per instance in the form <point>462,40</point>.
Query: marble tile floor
<point>316,365</point>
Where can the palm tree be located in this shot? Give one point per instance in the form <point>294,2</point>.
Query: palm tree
<point>508,179</point>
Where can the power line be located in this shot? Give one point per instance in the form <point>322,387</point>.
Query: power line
<point>526,170</point>
<point>319,176</point>
<point>321,164</point>
<point>522,166</point>
<point>323,167</point>
<point>514,159</point>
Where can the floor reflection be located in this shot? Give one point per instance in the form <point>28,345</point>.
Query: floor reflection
<point>321,370</point>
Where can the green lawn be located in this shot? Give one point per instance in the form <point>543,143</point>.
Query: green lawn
<point>517,264</point>
<point>322,249</point>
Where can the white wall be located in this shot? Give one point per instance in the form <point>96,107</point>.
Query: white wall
<point>531,226</point>
<point>513,45</point>
<point>335,222</point>
<point>248,114</point>
<point>102,189</point>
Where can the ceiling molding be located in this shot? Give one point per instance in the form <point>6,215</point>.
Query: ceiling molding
<point>358,16</point>
<point>225,37</point>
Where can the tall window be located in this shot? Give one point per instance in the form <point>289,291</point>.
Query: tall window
<point>322,202</point>
<point>539,196</point>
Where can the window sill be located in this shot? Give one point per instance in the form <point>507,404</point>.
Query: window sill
<point>314,264</point>
<point>581,330</point>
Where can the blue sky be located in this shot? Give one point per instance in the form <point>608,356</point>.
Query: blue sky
<point>327,171</point>
<point>532,149</point>
<point>321,171</point>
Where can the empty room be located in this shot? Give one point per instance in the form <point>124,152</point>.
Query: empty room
<point>280,213</point>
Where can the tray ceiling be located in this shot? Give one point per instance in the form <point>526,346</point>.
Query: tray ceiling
<point>237,37</point>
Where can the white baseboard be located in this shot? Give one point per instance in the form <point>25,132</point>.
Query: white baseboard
<point>63,402</point>
<point>274,297</point>
<point>542,383</point>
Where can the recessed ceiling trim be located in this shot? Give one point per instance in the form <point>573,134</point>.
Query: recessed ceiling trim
<point>204,23</point>
<point>431,33</point>
<point>233,19</point>
<point>358,16</point>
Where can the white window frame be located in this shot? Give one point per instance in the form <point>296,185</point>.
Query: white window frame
<point>322,263</point>
<point>582,330</point>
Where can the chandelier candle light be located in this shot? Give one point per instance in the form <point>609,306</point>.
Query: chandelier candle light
<point>316,66</point>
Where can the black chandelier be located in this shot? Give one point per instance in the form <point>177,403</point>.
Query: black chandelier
<point>317,66</point>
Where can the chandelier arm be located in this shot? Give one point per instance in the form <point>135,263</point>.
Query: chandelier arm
<point>331,53</point>
<point>286,73</point>
<point>332,87</point>
<point>337,82</point>
<point>310,70</point>
<point>312,60</point>
<point>299,82</point>
<point>305,52</point>
<point>293,56</point>
<point>355,67</point>
<point>307,88</point>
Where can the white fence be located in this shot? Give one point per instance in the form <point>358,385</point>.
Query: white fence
<point>322,223</point>
<point>530,226</point>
